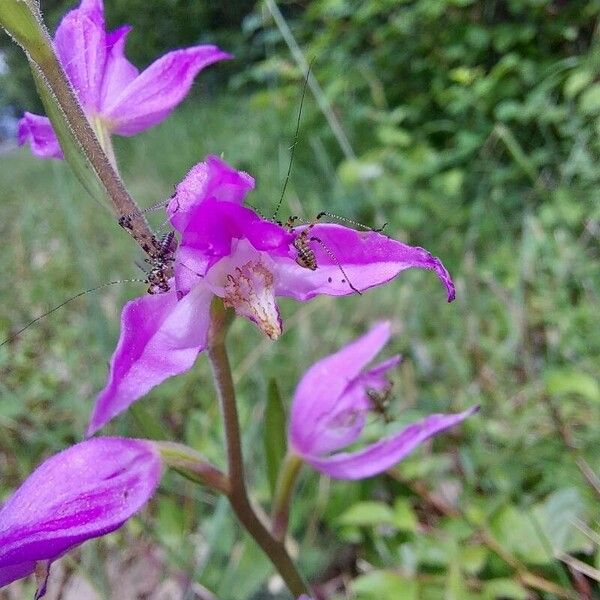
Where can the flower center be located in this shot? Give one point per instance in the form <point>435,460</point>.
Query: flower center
<point>249,290</point>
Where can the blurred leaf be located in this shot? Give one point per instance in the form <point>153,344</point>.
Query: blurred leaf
<point>519,535</point>
<point>354,171</point>
<point>274,433</point>
<point>385,585</point>
<point>473,558</point>
<point>504,588</point>
<point>549,527</point>
<point>368,514</point>
<point>405,518</point>
<point>577,81</point>
<point>170,521</point>
<point>245,572</point>
<point>456,588</point>
<point>557,517</point>
<point>560,382</point>
<point>589,101</point>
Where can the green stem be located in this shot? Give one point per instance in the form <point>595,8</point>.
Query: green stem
<point>193,466</point>
<point>286,482</point>
<point>238,495</point>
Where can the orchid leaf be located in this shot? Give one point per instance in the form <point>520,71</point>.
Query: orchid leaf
<point>71,148</point>
<point>22,21</point>
<point>275,445</point>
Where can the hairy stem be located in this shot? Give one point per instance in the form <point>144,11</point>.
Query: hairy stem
<point>238,495</point>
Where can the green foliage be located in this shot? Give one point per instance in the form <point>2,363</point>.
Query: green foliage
<point>275,433</point>
<point>476,128</point>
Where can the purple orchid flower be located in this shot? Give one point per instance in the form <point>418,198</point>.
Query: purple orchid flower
<point>228,250</point>
<point>331,405</point>
<point>115,96</point>
<point>83,492</point>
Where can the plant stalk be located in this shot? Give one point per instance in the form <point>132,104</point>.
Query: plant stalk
<point>238,495</point>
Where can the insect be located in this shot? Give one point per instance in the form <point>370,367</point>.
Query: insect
<point>380,402</point>
<point>305,255</point>
<point>161,257</point>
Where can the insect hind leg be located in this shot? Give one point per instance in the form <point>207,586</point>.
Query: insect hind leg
<point>337,262</point>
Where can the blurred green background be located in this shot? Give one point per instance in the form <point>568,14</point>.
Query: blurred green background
<point>472,128</point>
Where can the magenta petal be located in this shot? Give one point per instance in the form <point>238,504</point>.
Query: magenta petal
<point>319,390</point>
<point>385,453</point>
<point>367,258</point>
<point>118,71</point>
<point>160,337</point>
<point>212,178</point>
<point>80,43</point>
<point>94,9</point>
<point>83,492</point>
<point>149,98</point>
<point>38,132</point>
<point>212,225</point>
<point>11,573</point>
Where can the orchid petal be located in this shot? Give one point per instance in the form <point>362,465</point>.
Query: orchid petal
<point>160,337</point>
<point>385,453</point>
<point>83,492</point>
<point>212,226</point>
<point>80,43</point>
<point>118,71</point>
<point>347,258</point>
<point>212,178</point>
<point>11,573</point>
<point>322,386</point>
<point>151,96</point>
<point>38,132</point>
<point>344,424</point>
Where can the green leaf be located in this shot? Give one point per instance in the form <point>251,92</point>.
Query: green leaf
<point>456,588</point>
<point>564,381</point>
<point>71,148</point>
<point>405,517</point>
<point>245,572</point>
<point>537,534</point>
<point>557,517</point>
<point>576,81</point>
<point>368,514</point>
<point>473,558</point>
<point>504,588</point>
<point>385,585</point>
<point>519,535</point>
<point>589,101</point>
<point>23,22</point>
<point>170,522</point>
<point>275,438</point>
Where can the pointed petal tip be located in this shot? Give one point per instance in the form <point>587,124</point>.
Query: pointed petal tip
<point>444,276</point>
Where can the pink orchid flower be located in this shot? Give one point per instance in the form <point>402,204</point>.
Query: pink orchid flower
<point>230,251</point>
<point>80,493</point>
<point>331,405</point>
<point>115,96</point>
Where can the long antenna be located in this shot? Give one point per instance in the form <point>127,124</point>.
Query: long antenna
<point>324,213</point>
<point>295,142</point>
<point>40,317</point>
